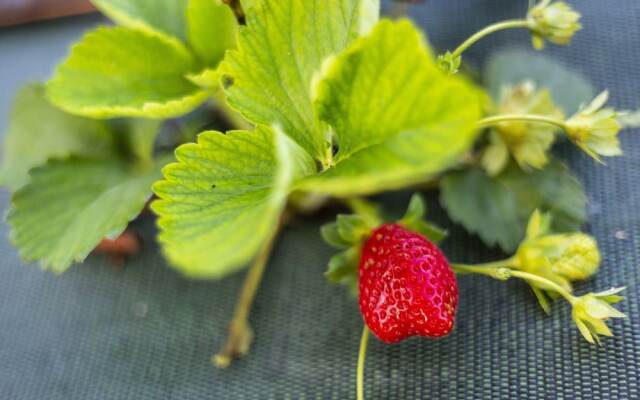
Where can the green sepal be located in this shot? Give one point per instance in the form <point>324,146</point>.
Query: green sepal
<point>431,231</point>
<point>448,63</point>
<point>414,220</point>
<point>346,233</point>
<point>352,228</point>
<point>543,299</point>
<point>343,268</point>
<point>331,234</point>
<point>416,209</point>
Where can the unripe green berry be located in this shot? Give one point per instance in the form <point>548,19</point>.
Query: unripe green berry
<point>579,258</point>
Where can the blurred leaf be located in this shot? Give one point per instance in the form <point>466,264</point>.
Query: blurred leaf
<point>68,206</point>
<point>223,198</point>
<point>116,72</point>
<point>397,117</point>
<point>208,78</point>
<point>497,209</point>
<point>140,137</point>
<point>352,227</point>
<point>212,29</point>
<point>569,89</point>
<point>165,16</point>
<point>331,235</point>
<point>285,42</point>
<point>38,131</point>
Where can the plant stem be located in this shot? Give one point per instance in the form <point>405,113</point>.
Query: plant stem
<point>490,121</point>
<point>362,355</point>
<point>240,332</point>
<point>504,270</point>
<point>514,23</point>
<point>494,269</point>
<point>536,278</point>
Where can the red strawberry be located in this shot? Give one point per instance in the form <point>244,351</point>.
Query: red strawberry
<point>407,287</point>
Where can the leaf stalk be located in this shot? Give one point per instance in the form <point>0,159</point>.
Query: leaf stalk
<point>240,333</point>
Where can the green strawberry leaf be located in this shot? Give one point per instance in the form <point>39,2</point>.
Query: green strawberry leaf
<point>115,72</point>
<point>38,131</point>
<point>212,29</point>
<point>283,45</point>
<point>398,119</point>
<point>224,197</point>
<point>164,16</point>
<point>497,208</point>
<point>68,206</point>
<point>248,5</point>
<point>569,89</point>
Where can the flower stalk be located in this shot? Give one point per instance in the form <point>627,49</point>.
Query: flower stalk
<point>500,26</point>
<point>555,21</point>
<point>594,128</point>
<point>542,119</point>
<point>503,270</point>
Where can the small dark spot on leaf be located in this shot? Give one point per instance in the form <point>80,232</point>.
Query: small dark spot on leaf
<point>213,186</point>
<point>227,81</point>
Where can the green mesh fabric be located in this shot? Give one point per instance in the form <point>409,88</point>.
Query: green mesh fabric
<point>143,332</point>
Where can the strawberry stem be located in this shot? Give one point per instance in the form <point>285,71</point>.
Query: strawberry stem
<point>240,332</point>
<point>503,270</point>
<point>494,269</point>
<point>497,119</point>
<point>362,355</point>
<point>548,283</point>
<point>510,24</point>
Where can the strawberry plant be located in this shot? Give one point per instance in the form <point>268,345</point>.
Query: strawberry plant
<point>315,102</point>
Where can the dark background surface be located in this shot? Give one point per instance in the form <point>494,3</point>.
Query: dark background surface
<point>143,332</point>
